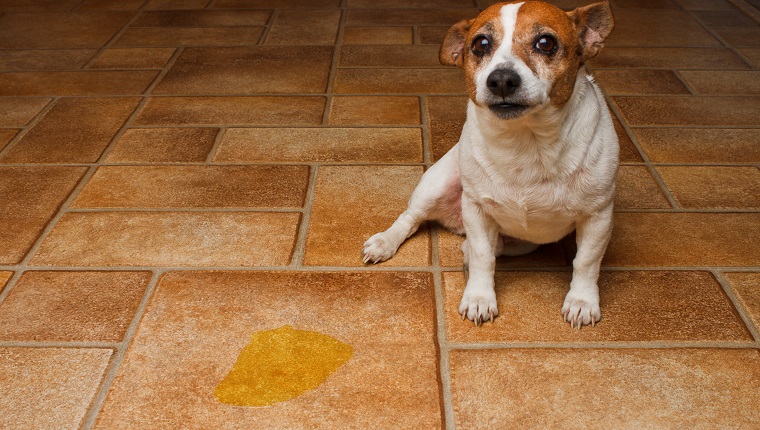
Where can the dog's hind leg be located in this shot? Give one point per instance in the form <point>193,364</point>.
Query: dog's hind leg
<point>436,197</point>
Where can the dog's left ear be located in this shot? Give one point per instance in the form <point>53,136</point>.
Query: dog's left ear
<point>452,49</point>
<point>593,23</point>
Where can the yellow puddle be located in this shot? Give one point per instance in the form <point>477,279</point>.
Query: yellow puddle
<point>280,364</point>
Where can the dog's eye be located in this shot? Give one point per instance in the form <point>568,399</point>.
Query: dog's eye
<point>481,45</point>
<point>546,44</point>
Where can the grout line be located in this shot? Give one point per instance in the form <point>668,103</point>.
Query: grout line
<point>299,248</point>
<point>685,82</point>
<point>215,147</point>
<point>726,285</point>
<point>427,141</point>
<point>24,130</point>
<point>112,40</point>
<point>268,27</point>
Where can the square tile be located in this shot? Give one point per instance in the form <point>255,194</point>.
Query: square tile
<point>723,82</point>
<point>74,130</point>
<point>703,239</point>
<point>642,27</point>
<point>163,145</point>
<point>389,56</point>
<point>389,350</point>
<point>202,18</point>
<point>134,239</point>
<point>746,288</point>
<point>372,110</point>
<point>60,30</point>
<point>640,82</point>
<point>189,36</point>
<point>133,58</point>
<point>72,306</point>
<point>446,118</point>
<point>304,27</point>
<point>195,187</point>
<point>700,145</point>
<point>367,35</point>
<point>49,387</point>
<point>672,58</point>
<point>29,197</point>
<point>553,388</point>
<point>399,81</point>
<point>20,111</point>
<point>48,59</point>
<point>637,189</point>
<point>325,145</point>
<point>686,111</point>
<point>343,219</point>
<point>232,111</point>
<point>713,187</point>
<point>637,306</point>
<point>249,70</point>
<point>549,255</point>
<point>82,83</point>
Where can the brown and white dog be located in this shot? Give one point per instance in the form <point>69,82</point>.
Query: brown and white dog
<point>538,154</point>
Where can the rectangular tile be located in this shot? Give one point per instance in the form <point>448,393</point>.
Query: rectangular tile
<point>636,307</point>
<point>403,4</point>
<point>343,219</point>
<point>20,111</point>
<point>249,70</point>
<point>133,58</point>
<point>740,36</point>
<point>399,81</point>
<point>752,55</point>
<point>723,82</point>
<point>640,82</point>
<point>629,153</point>
<point>700,145</point>
<point>6,135</point>
<point>686,111</point>
<point>637,189</point>
<point>711,5</point>
<point>657,388</point>
<point>389,56</point>
<point>81,83</point>
<point>189,36</point>
<point>195,187</point>
<point>202,18</point>
<point>373,110</point>
<point>304,27</point>
<point>72,306</point>
<point>641,27</point>
<point>746,288</point>
<point>713,187</point>
<point>435,16</point>
<point>446,116</point>
<point>175,4</point>
<point>38,60</point>
<point>703,239</point>
<point>279,4</point>
<point>37,5</point>
<point>727,18</point>
<point>671,58</point>
<point>163,145</point>
<point>4,277</point>
<point>49,387</point>
<point>346,145</point>
<point>60,30</point>
<point>370,35</point>
<point>111,5</point>
<point>29,197</point>
<point>232,111</point>
<point>170,239</point>
<point>75,130</point>
<point>394,360</point>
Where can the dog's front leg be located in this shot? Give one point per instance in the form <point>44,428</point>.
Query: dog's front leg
<point>581,305</point>
<point>479,298</point>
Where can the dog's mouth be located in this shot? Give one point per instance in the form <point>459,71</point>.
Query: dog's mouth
<point>508,110</point>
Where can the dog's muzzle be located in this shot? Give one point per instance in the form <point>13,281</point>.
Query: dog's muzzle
<point>503,84</point>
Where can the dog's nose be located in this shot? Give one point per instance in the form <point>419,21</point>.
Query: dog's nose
<point>503,82</point>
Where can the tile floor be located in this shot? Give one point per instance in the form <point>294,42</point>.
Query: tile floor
<point>176,175</point>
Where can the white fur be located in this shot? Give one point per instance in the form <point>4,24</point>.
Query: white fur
<point>535,178</point>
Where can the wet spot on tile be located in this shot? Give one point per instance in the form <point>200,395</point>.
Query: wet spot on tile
<point>280,364</point>
<point>713,186</point>
<point>163,145</point>
<point>700,145</point>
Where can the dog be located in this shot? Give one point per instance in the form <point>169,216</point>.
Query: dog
<point>537,157</point>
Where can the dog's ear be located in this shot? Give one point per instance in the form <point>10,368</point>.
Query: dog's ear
<point>593,24</point>
<point>452,49</point>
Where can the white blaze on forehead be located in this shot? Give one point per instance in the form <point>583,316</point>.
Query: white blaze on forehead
<point>503,54</point>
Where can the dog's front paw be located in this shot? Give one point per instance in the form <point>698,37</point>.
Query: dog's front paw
<point>580,311</point>
<point>378,249</point>
<point>478,306</point>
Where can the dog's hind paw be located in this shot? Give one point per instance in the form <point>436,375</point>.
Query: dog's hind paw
<point>378,249</point>
<point>579,312</point>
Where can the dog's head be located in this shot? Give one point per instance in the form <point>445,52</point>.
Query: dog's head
<point>520,56</point>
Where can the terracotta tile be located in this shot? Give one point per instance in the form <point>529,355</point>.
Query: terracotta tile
<point>231,111</point>
<point>82,83</point>
<point>436,16</point>
<point>51,30</point>
<point>304,27</point>
<point>700,145</point>
<point>628,151</point>
<point>723,82</point>
<point>702,239</point>
<point>189,36</point>
<point>170,239</point>
<point>641,27</point>
<point>175,4</point>
<point>133,58</point>
<point>249,70</point>
<point>349,145</point>
<point>377,35</point>
<point>19,111</point>
<point>6,136</point>
<point>394,362</point>
<point>746,287</point>
<point>645,4</point>
<point>361,110</point>
<point>446,118</point>
<point>32,60</point>
<point>111,5</point>
<point>163,145</point>
<point>418,4</point>
<point>202,18</point>
<point>278,4</point>
<point>399,81</point>
<point>636,189</point>
<point>74,130</point>
<point>433,34</point>
<point>640,82</point>
<point>389,56</point>
<point>49,387</point>
<point>29,197</point>
<point>37,5</point>
<point>711,5</point>
<point>725,19</point>
<point>713,187</point>
<point>623,388</point>
<point>752,54</point>
<point>673,58</point>
<point>195,187</point>
<point>342,219</point>
<point>738,36</point>
<point>636,306</point>
<point>550,255</point>
<point>4,277</point>
<point>690,110</point>
<point>72,306</point>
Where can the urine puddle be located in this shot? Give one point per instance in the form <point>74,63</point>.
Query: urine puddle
<point>280,364</point>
